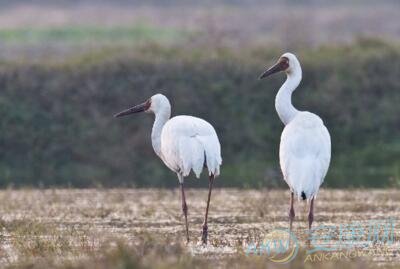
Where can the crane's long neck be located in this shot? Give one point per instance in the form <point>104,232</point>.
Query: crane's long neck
<point>283,100</point>
<point>160,119</point>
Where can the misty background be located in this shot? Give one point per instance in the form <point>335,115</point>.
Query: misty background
<point>67,66</point>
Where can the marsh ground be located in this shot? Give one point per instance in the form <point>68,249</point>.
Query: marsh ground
<point>143,228</point>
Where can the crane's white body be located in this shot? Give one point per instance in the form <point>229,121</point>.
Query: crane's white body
<point>305,147</point>
<point>304,154</point>
<point>187,143</point>
<point>184,143</point>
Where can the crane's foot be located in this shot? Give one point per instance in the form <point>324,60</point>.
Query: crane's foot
<point>204,234</point>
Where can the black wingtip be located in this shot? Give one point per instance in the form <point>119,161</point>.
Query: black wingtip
<point>303,195</point>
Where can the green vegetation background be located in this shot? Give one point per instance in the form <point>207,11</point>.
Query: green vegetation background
<point>57,129</point>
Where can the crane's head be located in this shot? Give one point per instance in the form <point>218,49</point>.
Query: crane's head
<point>287,62</point>
<point>157,103</point>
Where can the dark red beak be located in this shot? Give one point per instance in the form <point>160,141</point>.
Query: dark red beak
<point>136,109</point>
<point>281,65</point>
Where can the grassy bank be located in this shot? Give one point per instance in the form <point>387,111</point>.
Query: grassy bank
<point>57,126</point>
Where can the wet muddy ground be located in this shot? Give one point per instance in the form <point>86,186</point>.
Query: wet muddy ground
<point>72,224</point>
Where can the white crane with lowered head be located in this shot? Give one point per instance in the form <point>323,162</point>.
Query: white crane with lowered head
<point>305,148</point>
<point>183,143</point>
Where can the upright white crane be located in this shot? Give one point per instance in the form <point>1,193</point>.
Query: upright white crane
<point>305,148</point>
<point>183,143</point>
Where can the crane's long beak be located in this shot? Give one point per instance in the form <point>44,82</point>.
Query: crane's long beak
<point>139,108</point>
<point>281,65</point>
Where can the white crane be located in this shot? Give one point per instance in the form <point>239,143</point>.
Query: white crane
<point>183,143</point>
<point>305,148</point>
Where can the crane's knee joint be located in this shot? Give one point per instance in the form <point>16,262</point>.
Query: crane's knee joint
<point>184,208</point>
<point>291,213</point>
<point>310,217</point>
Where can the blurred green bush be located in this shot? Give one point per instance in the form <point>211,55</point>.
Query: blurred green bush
<point>57,127</point>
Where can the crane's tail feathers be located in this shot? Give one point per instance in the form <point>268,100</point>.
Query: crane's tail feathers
<point>212,152</point>
<point>306,181</point>
<point>195,151</point>
<point>192,156</point>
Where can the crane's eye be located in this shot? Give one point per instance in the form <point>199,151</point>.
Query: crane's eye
<point>285,62</point>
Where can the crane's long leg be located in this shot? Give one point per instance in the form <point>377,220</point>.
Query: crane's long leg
<point>310,221</point>
<point>291,211</point>
<point>205,227</point>
<point>184,209</point>
<point>311,214</point>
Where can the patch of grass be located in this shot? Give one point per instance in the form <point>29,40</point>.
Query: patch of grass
<point>32,239</point>
<point>146,252</point>
<point>85,34</point>
<point>160,255</point>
